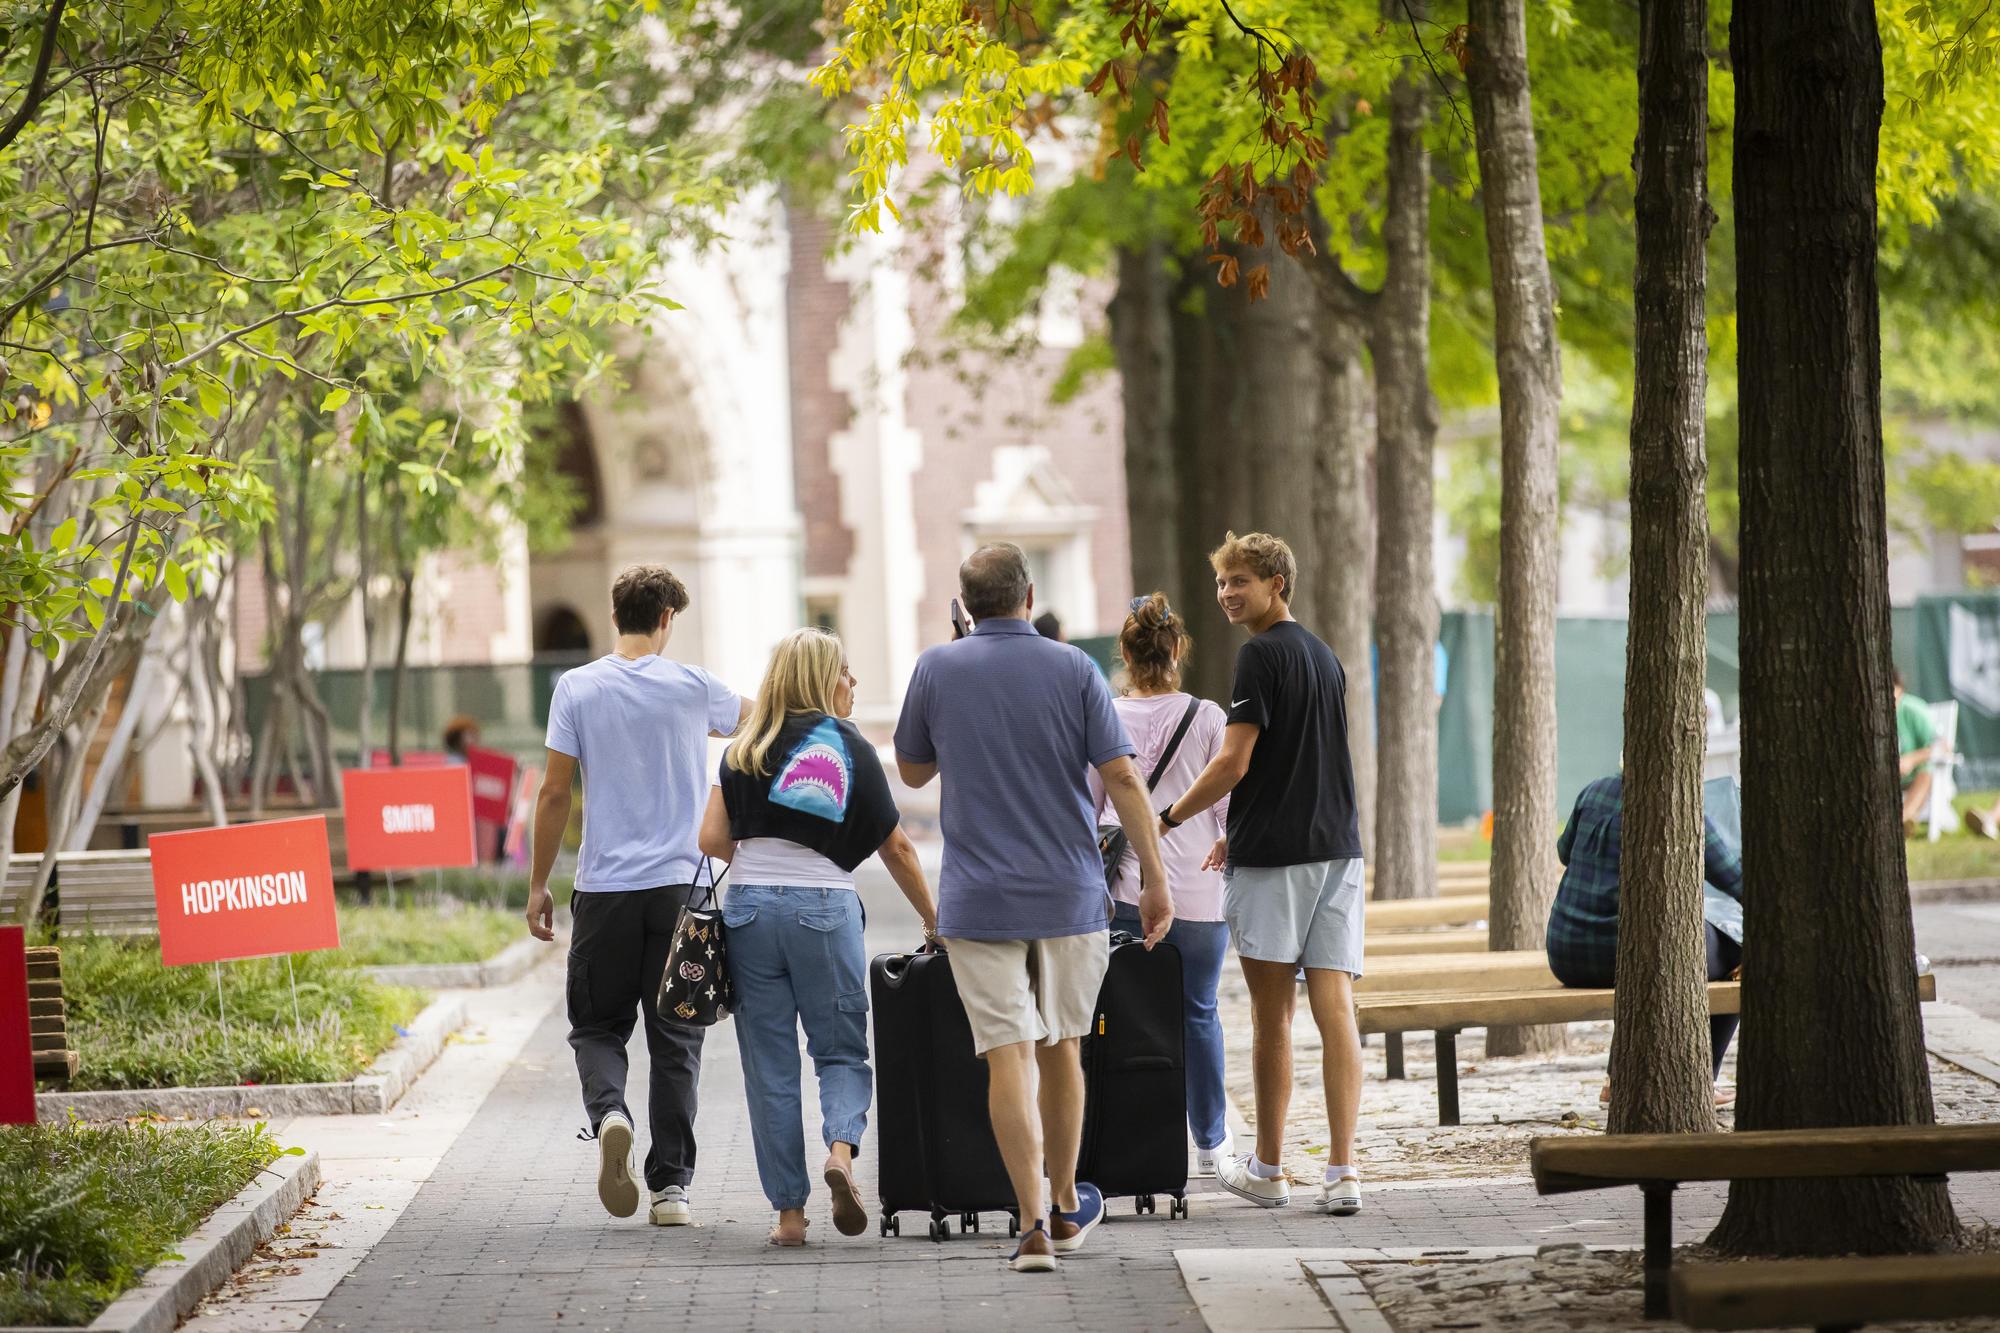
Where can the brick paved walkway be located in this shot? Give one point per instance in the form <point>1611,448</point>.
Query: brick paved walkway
<point>507,1233</point>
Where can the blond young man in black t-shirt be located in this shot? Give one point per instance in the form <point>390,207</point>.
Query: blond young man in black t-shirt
<point>1294,884</point>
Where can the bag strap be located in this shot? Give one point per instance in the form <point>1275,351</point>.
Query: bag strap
<point>1166,755</point>
<point>714,880</point>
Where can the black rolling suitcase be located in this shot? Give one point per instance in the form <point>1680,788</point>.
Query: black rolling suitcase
<point>1135,1074</point>
<point>935,1151</point>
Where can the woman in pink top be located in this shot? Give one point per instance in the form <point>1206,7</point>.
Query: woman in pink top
<point>1153,643</point>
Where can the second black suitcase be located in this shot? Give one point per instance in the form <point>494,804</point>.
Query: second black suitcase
<point>935,1150</point>
<point>1135,1073</point>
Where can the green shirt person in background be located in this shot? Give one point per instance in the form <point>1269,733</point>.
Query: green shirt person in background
<point>1915,735</point>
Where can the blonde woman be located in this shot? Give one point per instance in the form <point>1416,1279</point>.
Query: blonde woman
<point>799,802</point>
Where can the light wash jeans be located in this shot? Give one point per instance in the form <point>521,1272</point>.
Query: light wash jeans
<point>1203,945</point>
<point>796,957</point>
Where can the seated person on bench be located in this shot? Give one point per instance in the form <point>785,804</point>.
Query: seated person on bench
<point>1916,736</point>
<point>1583,924</point>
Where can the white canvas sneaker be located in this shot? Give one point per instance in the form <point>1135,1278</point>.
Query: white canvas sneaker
<point>1234,1175</point>
<point>1205,1159</point>
<point>616,1188</point>
<point>1341,1198</point>
<point>670,1207</point>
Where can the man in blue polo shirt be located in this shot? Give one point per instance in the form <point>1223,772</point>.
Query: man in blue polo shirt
<point>1015,721</point>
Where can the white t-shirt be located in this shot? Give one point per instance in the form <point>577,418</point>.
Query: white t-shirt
<point>639,731</point>
<point>780,863</point>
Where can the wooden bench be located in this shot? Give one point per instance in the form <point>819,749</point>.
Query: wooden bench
<point>48,1016</point>
<point>1507,969</point>
<point>1658,1163</point>
<point>1836,1294</point>
<point>105,893</point>
<point>1447,1014</point>
<point>1458,909</point>
<point>1469,939</point>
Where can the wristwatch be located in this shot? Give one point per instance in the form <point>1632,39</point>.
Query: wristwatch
<point>1167,817</point>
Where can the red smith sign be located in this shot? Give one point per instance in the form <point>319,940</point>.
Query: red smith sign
<point>407,818</point>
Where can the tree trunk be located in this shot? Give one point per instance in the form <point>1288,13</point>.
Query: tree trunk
<point>1142,338</point>
<point>1831,1030</point>
<point>1660,1079</point>
<point>1274,409</point>
<point>1204,356</point>
<point>1530,374</point>
<point>1406,615</point>
<point>364,720</point>
<point>1344,517</point>
<point>406,579</point>
<point>111,764</point>
<point>201,684</point>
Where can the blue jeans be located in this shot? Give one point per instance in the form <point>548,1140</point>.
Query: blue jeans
<point>1202,945</point>
<point>796,957</point>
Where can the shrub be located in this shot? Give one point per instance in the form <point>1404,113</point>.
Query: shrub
<point>85,1209</point>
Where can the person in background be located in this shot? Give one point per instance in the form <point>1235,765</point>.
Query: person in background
<point>1153,643</point>
<point>1049,627</point>
<point>1582,935</point>
<point>1294,887</point>
<point>460,734</point>
<point>1014,721</point>
<point>636,725</point>
<point>1916,734</point>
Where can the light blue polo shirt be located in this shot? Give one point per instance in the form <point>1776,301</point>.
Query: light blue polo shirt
<point>1014,723</point>
<point>639,731</point>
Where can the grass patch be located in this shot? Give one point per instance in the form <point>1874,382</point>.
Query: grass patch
<point>139,1024</point>
<point>444,931</point>
<point>505,890</point>
<point>85,1209</point>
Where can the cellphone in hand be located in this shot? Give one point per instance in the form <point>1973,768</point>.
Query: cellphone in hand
<point>959,629</point>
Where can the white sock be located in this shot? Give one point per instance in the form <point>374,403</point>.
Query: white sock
<point>1262,1171</point>
<point>1334,1173</point>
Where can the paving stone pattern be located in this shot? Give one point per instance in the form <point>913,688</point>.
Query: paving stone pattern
<point>507,1233</point>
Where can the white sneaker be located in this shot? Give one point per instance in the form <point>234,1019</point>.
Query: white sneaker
<point>1341,1197</point>
<point>1205,1159</point>
<point>1234,1175</point>
<point>616,1187</point>
<point>670,1207</point>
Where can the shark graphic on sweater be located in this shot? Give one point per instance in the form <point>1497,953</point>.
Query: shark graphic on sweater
<point>814,779</point>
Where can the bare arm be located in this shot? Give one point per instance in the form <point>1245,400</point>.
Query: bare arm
<point>1127,791</point>
<point>899,854</point>
<point>551,822</point>
<point>742,716</point>
<point>714,839</point>
<point>1221,775</point>
<point>915,774</point>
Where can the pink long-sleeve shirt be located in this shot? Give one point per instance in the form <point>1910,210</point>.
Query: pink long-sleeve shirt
<point>1150,722</point>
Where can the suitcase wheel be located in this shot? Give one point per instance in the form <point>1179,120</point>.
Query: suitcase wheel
<point>1013,1225</point>
<point>940,1229</point>
<point>968,1221</point>
<point>891,1225</point>
<point>1142,1203</point>
<point>1179,1207</point>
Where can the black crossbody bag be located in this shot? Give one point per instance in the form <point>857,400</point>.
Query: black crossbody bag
<point>696,988</point>
<point>1113,843</point>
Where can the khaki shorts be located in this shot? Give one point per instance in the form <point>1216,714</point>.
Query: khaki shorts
<point>1029,990</point>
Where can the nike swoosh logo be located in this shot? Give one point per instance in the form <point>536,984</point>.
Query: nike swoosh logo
<point>1238,703</point>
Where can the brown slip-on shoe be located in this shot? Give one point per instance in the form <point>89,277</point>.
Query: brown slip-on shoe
<point>850,1218</point>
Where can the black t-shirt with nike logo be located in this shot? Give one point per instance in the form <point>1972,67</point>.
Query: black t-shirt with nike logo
<point>1295,804</point>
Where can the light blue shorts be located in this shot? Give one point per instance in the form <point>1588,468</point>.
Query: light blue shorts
<point>1306,916</point>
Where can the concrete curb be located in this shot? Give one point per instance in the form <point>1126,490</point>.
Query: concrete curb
<point>510,964</point>
<point>371,1092</point>
<point>1955,891</point>
<point>169,1291</point>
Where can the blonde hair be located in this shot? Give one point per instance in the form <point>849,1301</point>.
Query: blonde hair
<point>1153,642</point>
<point>1262,554</point>
<point>803,675</point>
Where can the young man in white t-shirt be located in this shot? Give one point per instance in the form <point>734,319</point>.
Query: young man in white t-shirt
<point>636,725</point>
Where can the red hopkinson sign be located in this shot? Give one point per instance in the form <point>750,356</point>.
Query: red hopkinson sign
<point>17,1058</point>
<point>244,892</point>
<point>408,818</point>
<point>492,783</point>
